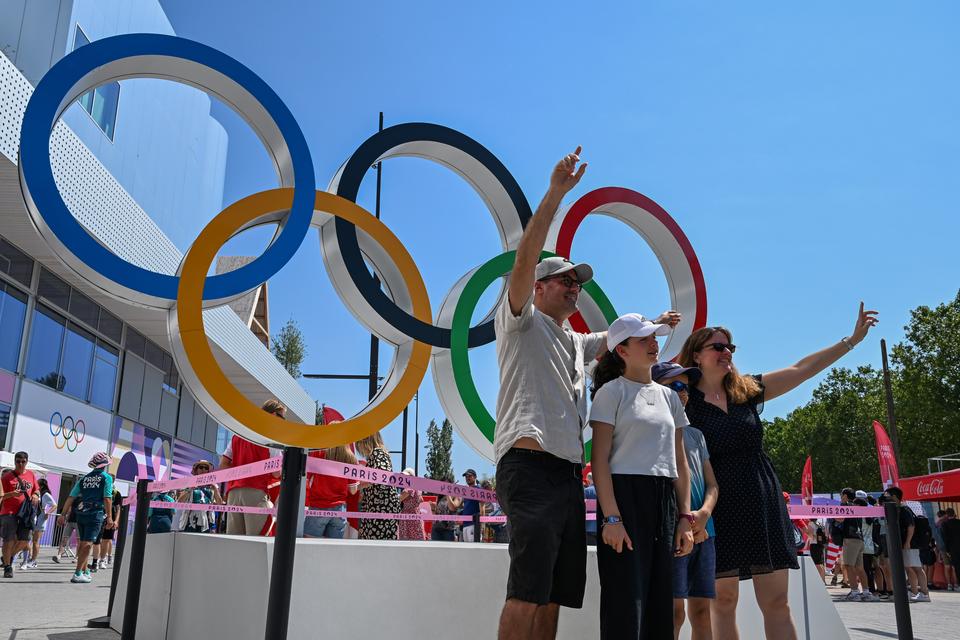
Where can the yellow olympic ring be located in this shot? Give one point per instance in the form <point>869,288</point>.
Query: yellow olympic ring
<point>196,349</point>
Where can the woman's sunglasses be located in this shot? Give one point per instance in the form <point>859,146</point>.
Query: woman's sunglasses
<point>721,347</point>
<point>678,386</point>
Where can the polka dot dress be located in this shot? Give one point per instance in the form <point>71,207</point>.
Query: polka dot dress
<point>754,532</point>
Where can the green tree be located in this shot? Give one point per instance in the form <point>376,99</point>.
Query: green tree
<point>835,427</point>
<point>289,347</point>
<point>439,461</point>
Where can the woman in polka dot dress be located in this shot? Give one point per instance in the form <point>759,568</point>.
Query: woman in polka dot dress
<point>754,533</point>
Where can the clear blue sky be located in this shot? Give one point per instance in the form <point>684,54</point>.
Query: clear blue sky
<point>809,152</point>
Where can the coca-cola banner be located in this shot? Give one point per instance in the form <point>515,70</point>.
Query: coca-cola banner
<point>937,486</point>
<point>889,475</point>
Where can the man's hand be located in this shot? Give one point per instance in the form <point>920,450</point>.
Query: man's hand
<point>108,524</point>
<point>671,318</point>
<point>61,520</point>
<point>563,178</point>
<point>700,536</point>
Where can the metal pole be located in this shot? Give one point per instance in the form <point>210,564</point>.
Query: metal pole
<point>285,544</point>
<point>131,605</point>
<point>891,416</point>
<point>898,572</point>
<point>374,341</point>
<point>403,447</point>
<point>416,434</point>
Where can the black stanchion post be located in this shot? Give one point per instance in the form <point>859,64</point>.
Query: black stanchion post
<point>118,554</point>
<point>899,577</point>
<point>477,533</point>
<point>284,545</point>
<point>103,622</point>
<point>135,575</point>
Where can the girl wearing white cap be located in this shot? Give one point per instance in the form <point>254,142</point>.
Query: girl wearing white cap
<point>643,484</point>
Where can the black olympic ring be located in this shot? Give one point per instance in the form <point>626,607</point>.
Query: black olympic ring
<point>347,185</point>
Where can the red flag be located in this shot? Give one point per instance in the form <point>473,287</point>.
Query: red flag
<point>806,482</point>
<point>331,415</point>
<point>889,475</point>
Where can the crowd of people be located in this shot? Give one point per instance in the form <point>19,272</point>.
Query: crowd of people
<point>864,559</point>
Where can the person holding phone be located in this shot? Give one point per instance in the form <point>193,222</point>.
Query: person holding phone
<point>18,485</point>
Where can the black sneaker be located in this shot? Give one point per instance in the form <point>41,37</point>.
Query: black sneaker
<point>93,567</point>
<point>8,571</point>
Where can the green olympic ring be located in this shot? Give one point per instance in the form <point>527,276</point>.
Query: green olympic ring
<point>460,328</point>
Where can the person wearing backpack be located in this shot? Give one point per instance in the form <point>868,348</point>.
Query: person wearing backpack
<point>852,557</point>
<point>19,500</point>
<point>870,550</point>
<point>95,493</point>
<point>911,553</point>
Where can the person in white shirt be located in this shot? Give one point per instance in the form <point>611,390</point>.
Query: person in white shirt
<point>643,484</point>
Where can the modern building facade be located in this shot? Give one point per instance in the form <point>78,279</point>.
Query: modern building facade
<point>141,165</point>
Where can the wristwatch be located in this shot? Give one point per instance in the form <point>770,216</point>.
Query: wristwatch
<point>612,520</point>
<point>689,517</point>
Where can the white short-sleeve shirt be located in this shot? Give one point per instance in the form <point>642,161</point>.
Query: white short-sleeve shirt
<point>645,418</point>
<point>543,392</point>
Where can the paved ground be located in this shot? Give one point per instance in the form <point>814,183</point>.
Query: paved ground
<point>42,604</point>
<point>937,620</point>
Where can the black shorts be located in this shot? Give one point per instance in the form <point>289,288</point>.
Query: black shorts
<point>542,496</point>
<point>816,553</point>
<point>11,527</point>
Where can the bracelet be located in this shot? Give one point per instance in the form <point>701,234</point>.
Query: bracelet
<point>846,342</point>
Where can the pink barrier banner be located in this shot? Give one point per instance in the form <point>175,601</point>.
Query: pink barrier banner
<point>363,474</point>
<point>361,515</point>
<point>799,511</point>
<point>222,508</point>
<point>272,465</point>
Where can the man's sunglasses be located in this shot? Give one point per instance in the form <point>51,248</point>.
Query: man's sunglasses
<point>678,386</point>
<point>566,281</point>
<point>721,347</point>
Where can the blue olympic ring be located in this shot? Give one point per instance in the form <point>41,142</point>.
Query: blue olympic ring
<point>62,85</point>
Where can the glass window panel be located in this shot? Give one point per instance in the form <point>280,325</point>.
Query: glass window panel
<point>108,352</point>
<point>136,343</point>
<point>15,263</point>
<point>83,308</point>
<point>13,310</point>
<point>110,325</point>
<point>4,422</point>
<point>77,361</point>
<point>46,339</point>
<point>101,103</point>
<point>54,289</point>
<point>154,355</point>
<point>104,383</point>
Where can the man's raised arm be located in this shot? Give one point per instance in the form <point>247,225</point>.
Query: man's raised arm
<point>562,180</point>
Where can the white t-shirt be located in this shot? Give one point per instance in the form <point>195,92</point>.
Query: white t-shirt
<point>645,418</point>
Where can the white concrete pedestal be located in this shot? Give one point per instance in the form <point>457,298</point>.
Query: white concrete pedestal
<point>215,587</point>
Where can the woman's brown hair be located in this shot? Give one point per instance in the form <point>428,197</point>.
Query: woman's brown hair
<point>371,442</point>
<point>342,454</point>
<point>739,388</point>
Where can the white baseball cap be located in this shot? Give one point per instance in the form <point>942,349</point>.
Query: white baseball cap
<point>633,325</point>
<point>557,265</point>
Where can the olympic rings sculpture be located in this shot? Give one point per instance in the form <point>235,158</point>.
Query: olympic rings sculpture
<point>397,309</point>
<point>74,433</point>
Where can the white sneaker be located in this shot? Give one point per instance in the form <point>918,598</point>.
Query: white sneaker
<point>923,597</point>
<point>853,596</point>
<point>866,596</point>
<point>102,564</point>
<point>32,565</point>
<point>78,579</point>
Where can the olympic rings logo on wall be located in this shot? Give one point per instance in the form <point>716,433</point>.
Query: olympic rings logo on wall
<point>398,311</point>
<point>67,432</point>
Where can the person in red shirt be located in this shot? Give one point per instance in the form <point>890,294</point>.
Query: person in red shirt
<point>17,485</point>
<point>329,493</point>
<point>252,491</point>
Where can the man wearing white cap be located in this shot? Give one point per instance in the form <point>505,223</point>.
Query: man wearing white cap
<point>95,494</point>
<point>541,411</point>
